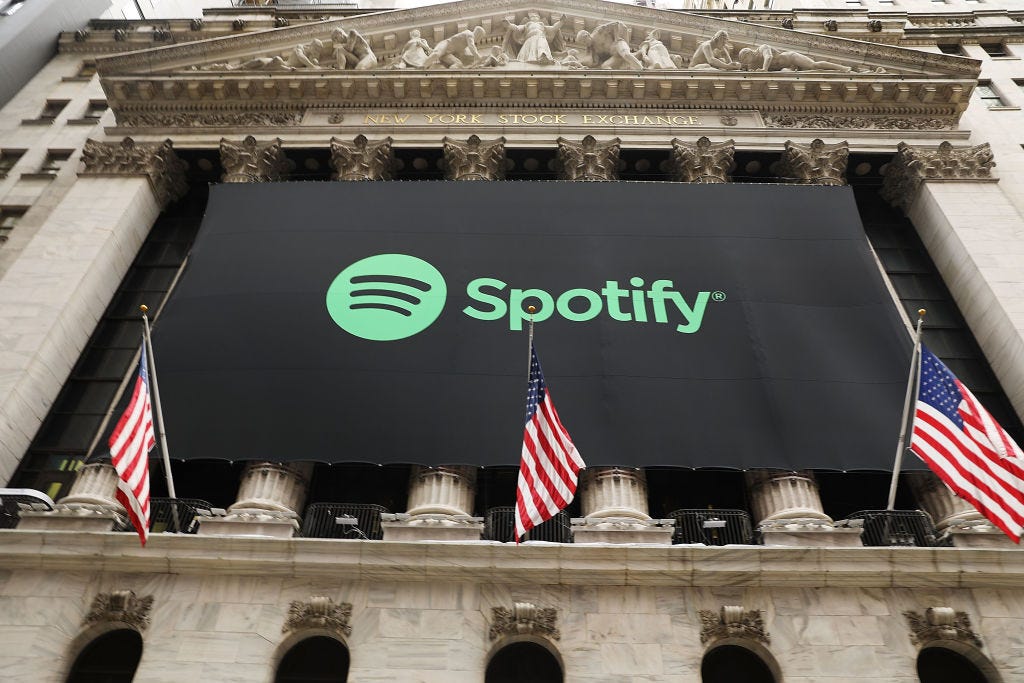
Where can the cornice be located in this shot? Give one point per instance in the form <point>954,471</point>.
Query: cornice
<point>506,563</point>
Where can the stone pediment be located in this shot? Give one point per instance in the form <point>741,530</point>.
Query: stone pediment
<point>536,52</point>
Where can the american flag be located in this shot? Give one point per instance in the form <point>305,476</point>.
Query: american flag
<point>550,464</point>
<point>966,448</point>
<point>130,444</point>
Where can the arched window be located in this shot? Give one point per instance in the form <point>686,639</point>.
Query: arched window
<point>318,659</point>
<point>523,662</point>
<point>730,663</point>
<point>942,665</point>
<point>109,658</point>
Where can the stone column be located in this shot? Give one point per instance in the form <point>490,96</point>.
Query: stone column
<point>440,507</point>
<point>588,159</point>
<point>968,225</point>
<point>702,161</point>
<point>815,164</point>
<point>474,159</point>
<point>954,515</point>
<point>787,510</point>
<point>614,504</point>
<point>269,502</point>
<point>50,301</point>
<point>362,159</point>
<point>89,506</point>
<point>252,162</point>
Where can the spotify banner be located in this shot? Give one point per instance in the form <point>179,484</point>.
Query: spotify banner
<point>689,325</point>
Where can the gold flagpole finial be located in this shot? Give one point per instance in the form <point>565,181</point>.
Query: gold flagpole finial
<point>531,309</point>
<point>921,312</point>
<point>143,308</point>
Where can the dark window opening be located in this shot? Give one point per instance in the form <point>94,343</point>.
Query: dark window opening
<point>111,658</point>
<point>9,217</point>
<point>995,49</point>
<point>951,49</point>
<point>523,663</point>
<point>55,160</point>
<point>8,158</point>
<point>314,660</point>
<point>729,663</point>
<point>939,665</point>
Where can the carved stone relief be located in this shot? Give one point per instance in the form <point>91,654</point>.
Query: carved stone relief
<point>524,618</point>
<point>913,165</point>
<point>252,162</point>
<point>121,606</point>
<point>702,161</point>
<point>319,612</point>
<point>362,159</point>
<point>732,621</point>
<point>941,623</point>
<point>157,161</point>
<point>859,122</point>
<point>588,159</point>
<point>182,119</point>
<point>474,159</point>
<point>817,163</point>
<point>344,50</point>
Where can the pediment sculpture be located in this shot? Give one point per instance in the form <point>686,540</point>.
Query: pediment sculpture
<point>532,42</point>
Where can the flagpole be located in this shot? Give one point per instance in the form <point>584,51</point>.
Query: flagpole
<point>529,351</point>
<point>911,397</point>
<point>160,418</point>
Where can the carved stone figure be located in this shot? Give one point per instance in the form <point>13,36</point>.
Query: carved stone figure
<point>362,159</point>
<point>588,159</point>
<point>121,606</point>
<point>714,54</point>
<point>474,159</point>
<point>496,57</point>
<point>653,52</point>
<point>352,51</point>
<point>304,56</point>
<point>732,621</point>
<point>607,47</point>
<point>524,618</point>
<point>532,41</point>
<point>941,623</point>
<point>571,60</point>
<point>768,58</point>
<point>452,51</point>
<point>319,612</point>
<point>414,53</point>
<point>703,162</point>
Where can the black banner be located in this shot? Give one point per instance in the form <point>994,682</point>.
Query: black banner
<point>730,325</point>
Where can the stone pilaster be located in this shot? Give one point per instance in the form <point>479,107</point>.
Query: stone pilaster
<point>815,164</point>
<point>614,505</point>
<point>440,507</point>
<point>50,303</point>
<point>913,165</point>
<point>702,161</point>
<point>588,159</point>
<point>362,159</point>
<point>156,161</point>
<point>474,159</point>
<point>787,510</point>
<point>269,502</point>
<point>954,515</point>
<point>966,221</point>
<point>253,162</point>
<point>89,506</point>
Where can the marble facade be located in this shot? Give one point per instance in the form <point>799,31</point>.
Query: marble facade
<point>431,602</point>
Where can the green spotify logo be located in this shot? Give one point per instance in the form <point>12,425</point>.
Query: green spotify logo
<point>386,297</point>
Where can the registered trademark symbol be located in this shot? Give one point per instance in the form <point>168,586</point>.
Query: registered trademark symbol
<point>718,295</point>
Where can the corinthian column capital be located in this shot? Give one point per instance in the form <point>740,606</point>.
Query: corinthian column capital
<point>156,161</point>
<point>817,163</point>
<point>588,159</point>
<point>913,165</point>
<point>362,159</point>
<point>702,161</point>
<point>253,162</point>
<point>474,159</point>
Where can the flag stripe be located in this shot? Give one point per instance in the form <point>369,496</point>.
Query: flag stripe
<point>130,443</point>
<point>964,445</point>
<point>550,464</point>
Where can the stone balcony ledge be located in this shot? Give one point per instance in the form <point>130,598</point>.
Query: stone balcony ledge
<point>592,564</point>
